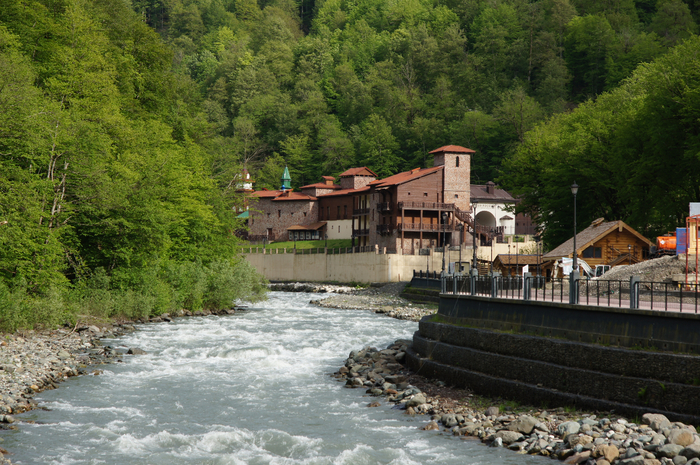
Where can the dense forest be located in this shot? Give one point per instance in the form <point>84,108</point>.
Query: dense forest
<point>324,85</point>
<point>124,124</point>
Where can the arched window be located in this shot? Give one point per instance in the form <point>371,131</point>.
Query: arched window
<point>457,163</point>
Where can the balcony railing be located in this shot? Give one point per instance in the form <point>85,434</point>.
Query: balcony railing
<point>383,207</point>
<point>427,206</point>
<point>360,211</point>
<point>384,229</point>
<point>424,227</point>
<point>360,232</point>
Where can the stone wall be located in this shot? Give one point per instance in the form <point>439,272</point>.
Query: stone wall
<point>552,354</point>
<point>548,372</point>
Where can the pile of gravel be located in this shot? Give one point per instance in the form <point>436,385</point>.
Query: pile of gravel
<point>657,270</point>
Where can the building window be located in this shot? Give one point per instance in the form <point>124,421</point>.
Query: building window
<point>268,215</point>
<point>592,252</point>
<point>425,194</point>
<point>456,196</point>
<point>279,213</point>
<point>338,217</point>
<point>345,211</point>
<point>328,213</point>
<point>304,213</point>
<point>457,162</point>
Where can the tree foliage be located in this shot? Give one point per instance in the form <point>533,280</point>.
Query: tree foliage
<point>635,152</point>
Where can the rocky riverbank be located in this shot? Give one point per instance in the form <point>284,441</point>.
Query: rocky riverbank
<point>575,438</point>
<point>381,299</point>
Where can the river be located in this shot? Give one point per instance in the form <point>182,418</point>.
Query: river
<point>250,388</point>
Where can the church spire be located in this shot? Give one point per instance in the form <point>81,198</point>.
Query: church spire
<point>286,180</point>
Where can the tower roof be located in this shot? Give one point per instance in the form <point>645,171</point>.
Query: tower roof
<point>286,180</point>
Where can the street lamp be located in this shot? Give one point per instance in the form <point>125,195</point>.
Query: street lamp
<point>573,291</point>
<point>574,190</point>
<point>461,240</point>
<point>474,265</point>
<point>444,220</point>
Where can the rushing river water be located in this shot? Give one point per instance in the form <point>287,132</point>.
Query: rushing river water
<point>251,388</point>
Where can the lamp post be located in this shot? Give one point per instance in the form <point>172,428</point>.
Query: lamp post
<point>461,240</point>
<point>574,190</point>
<point>474,264</point>
<point>508,260</point>
<point>444,220</point>
<point>573,291</point>
<point>326,241</point>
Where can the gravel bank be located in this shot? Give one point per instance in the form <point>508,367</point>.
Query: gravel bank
<point>382,299</point>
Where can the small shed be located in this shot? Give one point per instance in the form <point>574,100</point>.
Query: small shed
<point>605,243</point>
<point>513,264</point>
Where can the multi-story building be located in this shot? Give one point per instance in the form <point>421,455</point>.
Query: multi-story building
<point>409,211</point>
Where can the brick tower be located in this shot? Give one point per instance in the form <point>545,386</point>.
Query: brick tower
<point>455,175</point>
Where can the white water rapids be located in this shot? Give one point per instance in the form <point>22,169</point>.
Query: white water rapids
<point>251,388</point>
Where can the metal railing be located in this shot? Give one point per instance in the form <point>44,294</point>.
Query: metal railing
<point>360,211</point>
<point>632,293</point>
<point>383,207</point>
<point>384,229</point>
<point>360,232</point>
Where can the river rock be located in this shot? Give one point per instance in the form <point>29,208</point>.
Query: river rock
<point>491,411</point>
<point>656,421</point>
<point>509,437</point>
<point>135,351</point>
<point>63,355</point>
<point>679,460</point>
<point>669,450</point>
<point>431,426</point>
<point>608,452</point>
<point>681,436</point>
<point>636,460</point>
<point>691,452</point>
<point>568,427</point>
<point>416,400</point>
<point>580,457</point>
<point>524,424</point>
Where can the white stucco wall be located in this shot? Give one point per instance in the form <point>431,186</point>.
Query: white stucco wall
<point>497,211</point>
<point>339,229</point>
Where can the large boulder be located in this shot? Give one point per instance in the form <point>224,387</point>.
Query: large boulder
<point>491,411</point>
<point>669,450</point>
<point>608,452</point>
<point>656,421</point>
<point>681,436</point>
<point>509,437</point>
<point>416,400</point>
<point>691,452</point>
<point>568,427</point>
<point>524,424</point>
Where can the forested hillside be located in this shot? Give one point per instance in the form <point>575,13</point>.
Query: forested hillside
<point>325,85</point>
<point>109,203</point>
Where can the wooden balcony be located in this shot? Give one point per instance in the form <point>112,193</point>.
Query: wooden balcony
<point>384,229</point>
<point>426,206</point>
<point>360,232</point>
<point>360,212</point>
<point>424,227</point>
<point>384,207</point>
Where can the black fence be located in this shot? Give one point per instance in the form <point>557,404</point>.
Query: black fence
<point>633,293</point>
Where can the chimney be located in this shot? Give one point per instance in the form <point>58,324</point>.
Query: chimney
<point>490,187</point>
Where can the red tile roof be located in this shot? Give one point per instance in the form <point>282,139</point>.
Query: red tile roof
<point>321,185</point>
<point>294,196</point>
<point>453,149</point>
<point>406,176</point>
<point>345,192</point>
<point>266,194</point>
<point>361,171</point>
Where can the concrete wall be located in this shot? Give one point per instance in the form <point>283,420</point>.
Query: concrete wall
<point>352,267</point>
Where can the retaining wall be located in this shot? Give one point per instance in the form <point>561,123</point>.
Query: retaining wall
<point>548,371</point>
